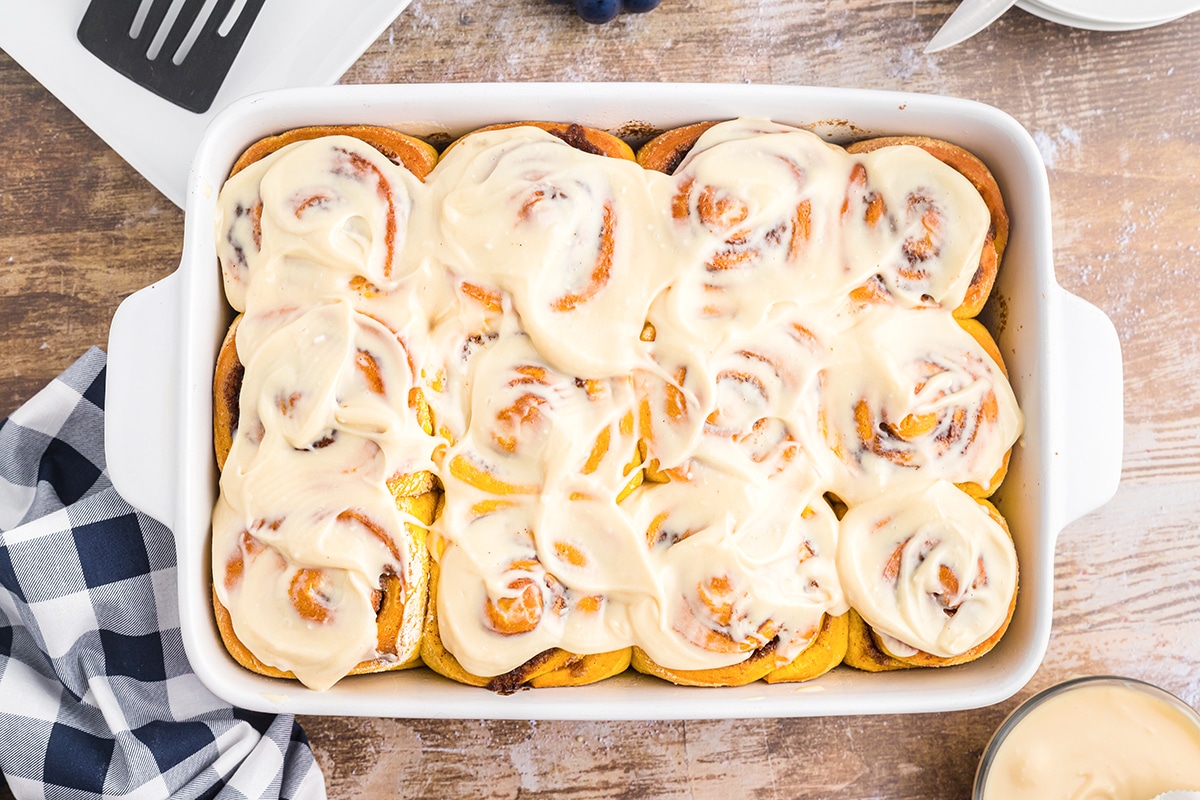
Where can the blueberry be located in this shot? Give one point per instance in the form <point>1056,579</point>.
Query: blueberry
<point>598,11</point>
<point>640,6</point>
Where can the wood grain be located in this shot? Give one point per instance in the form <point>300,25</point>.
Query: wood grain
<point>1116,118</point>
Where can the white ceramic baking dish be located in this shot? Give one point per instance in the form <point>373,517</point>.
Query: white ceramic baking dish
<point>1063,354</point>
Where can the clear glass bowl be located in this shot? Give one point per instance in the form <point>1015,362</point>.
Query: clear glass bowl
<point>1022,712</point>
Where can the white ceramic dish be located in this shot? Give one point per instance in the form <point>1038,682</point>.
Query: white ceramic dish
<point>1063,354</point>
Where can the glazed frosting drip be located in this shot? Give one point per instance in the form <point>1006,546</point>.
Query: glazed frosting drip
<point>638,386</point>
<point>931,569</point>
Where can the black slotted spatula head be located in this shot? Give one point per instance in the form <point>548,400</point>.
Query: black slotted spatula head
<point>179,49</point>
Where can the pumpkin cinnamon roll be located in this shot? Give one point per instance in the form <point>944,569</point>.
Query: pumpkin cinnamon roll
<point>531,426</point>
<point>747,576</point>
<point>931,575</point>
<point>335,207</point>
<point>754,206</point>
<point>926,219</point>
<point>916,397</point>
<point>756,392</point>
<point>570,237</point>
<point>527,594</point>
<point>766,399</point>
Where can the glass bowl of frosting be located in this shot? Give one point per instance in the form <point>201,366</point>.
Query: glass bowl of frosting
<point>1094,738</point>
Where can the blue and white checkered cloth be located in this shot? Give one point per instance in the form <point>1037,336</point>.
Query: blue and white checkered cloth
<point>96,695</point>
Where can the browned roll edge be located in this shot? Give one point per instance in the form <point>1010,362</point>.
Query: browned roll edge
<point>400,148</point>
<point>581,137</point>
<point>664,152</point>
<point>757,665</point>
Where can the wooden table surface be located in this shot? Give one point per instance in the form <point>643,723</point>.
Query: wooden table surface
<point>1115,116</point>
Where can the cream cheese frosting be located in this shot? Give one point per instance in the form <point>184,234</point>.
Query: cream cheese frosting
<point>931,569</point>
<point>1099,739</point>
<point>642,387</point>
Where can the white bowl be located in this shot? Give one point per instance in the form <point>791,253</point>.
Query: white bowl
<point>1062,353</point>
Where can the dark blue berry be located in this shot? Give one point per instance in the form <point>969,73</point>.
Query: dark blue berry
<point>598,11</point>
<point>640,6</point>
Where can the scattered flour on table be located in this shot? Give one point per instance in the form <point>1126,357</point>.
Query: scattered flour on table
<point>1051,145</point>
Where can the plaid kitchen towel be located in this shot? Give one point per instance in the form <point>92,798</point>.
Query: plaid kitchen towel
<point>96,695</point>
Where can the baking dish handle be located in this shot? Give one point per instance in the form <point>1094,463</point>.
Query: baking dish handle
<point>1093,415</point>
<point>140,398</point>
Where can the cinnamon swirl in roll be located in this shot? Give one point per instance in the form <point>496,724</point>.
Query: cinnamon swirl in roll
<point>747,572</point>
<point>755,208</point>
<point>560,233</point>
<point>909,398</point>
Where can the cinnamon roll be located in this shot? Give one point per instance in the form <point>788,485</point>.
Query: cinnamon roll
<point>523,589</point>
<point>915,397</point>
<point>754,207</point>
<point>931,572</point>
<point>930,220</point>
<point>747,576</point>
<point>340,205</point>
<point>756,393</point>
<point>531,426</point>
<point>558,232</point>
